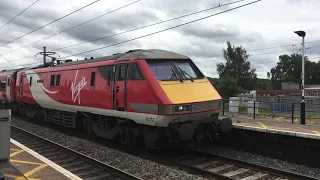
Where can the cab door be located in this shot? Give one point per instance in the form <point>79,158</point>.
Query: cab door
<point>120,88</point>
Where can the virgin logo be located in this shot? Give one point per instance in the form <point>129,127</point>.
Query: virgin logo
<point>77,87</point>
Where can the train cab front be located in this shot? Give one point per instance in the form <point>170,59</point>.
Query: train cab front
<point>192,110</point>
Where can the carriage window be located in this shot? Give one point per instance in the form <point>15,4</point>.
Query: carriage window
<point>58,80</point>
<point>8,81</point>
<point>52,80</point>
<point>30,80</point>
<point>2,85</point>
<point>93,77</point>
<point>134,72</point>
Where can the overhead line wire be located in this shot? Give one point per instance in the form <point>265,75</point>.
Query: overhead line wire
<point>173,27</point>
<point>73,26</point>
<point>50,23</point>
<point>112,35</point>
<point>18,14</point>
<point>280,46</point>
<point>164,29</point>
<point>153,24</point>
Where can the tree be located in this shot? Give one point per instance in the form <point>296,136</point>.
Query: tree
<point>237,67</point>
<point>288,69</point>
<point>226,86</point>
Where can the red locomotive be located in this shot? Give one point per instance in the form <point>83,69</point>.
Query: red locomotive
<point>155,97</point>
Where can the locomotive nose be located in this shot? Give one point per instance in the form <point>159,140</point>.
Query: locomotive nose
<point>198,90</point>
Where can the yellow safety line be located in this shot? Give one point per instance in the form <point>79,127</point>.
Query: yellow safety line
<point>13,149</point>
<point>264,126</point>
<point>25,162</point>
<point>18,177</point>
<point>11,176</point>
<point>316,132</point>
<point>35,170</point>
<point>17,152</point>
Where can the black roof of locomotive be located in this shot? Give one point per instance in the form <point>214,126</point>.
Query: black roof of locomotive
<point>139,53</point>
<point>11,70</point>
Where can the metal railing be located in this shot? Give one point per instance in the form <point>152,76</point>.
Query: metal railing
<point>283,110</point>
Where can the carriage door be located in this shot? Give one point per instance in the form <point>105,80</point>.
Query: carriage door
<point>8,90</point>
<point>21,87</point>
<point>120,91</point>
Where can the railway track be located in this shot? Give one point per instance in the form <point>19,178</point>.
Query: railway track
<point>197,160</point>
<point>79,164</point>
<point>227,168</point>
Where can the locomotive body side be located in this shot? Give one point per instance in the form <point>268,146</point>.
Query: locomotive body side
<point>151,96</point>
<point>90,89</point>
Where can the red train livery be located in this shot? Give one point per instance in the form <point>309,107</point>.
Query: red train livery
<point>150,97</point>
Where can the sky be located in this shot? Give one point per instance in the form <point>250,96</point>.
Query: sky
<point>265,29</point>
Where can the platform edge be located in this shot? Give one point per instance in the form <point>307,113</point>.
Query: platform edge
<point>58,168</point>
<point>276,131</point>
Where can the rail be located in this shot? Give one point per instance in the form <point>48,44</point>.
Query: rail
<point>96,169</point>
<point>230,168</point>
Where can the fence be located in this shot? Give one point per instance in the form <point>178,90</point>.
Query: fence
<point>286,110</point>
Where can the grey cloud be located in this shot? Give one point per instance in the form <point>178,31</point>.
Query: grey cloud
<point>106,26</point>
<point>180,7</point>
<point>204,41</point>
<point>220,33</point>
<point>31,18</point>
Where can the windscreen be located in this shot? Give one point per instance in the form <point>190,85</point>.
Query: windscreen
<point>174,69</point>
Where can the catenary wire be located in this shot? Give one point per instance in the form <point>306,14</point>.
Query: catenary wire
<point>173,27</point>
<point>73,27</point>
<point>49,23</point>
<point>135,29</point>
<point>18,14</point>
<point>280,46</point>
<point>153,24</point>
<point>165,29</point>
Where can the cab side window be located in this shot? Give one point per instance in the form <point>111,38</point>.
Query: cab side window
<point>106,73</point>
<point>134,72</point>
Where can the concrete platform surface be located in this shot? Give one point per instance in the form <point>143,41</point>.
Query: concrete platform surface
<point>275,127</point>
<point>26,164</point>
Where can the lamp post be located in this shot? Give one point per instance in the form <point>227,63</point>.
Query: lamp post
<point>303,105</point>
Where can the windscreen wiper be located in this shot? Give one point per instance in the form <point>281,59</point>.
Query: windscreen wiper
<point>173,73</point>
<point>185,73</point>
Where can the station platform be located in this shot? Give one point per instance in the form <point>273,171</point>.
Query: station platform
<point>26,164</point>
<point>276,127</point>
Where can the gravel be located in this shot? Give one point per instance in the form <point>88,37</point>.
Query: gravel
<point>147,169</point>
<point>132,164</point>
<point>266,161</point>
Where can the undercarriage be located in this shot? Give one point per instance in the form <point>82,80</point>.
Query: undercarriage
<point>130,133</point>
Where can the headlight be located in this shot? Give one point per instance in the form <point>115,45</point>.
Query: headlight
<point>182,108</point>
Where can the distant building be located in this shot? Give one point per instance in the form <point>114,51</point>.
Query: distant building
<point>290,86</point>
<point>290,93</point>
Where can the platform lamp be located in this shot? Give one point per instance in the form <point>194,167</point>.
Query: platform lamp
<point>303,105</point>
